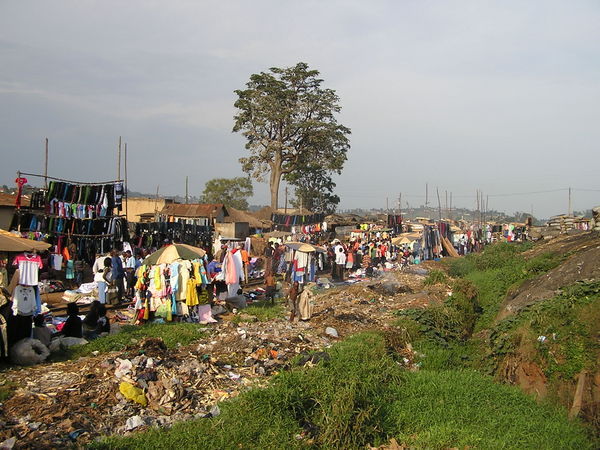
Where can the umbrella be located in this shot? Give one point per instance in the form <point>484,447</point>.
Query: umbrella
<point>304,247</point>
<point>170,253</point>
<point>11,243</point>
<point>401,240</point>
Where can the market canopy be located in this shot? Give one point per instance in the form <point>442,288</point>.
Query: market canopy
<point>12,243</point>
<point>173,252</point>
<point>304,247</point>
<point>406,239</point>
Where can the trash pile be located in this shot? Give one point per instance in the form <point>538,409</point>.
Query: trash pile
<point>596,218</point>
<point>147,385</point>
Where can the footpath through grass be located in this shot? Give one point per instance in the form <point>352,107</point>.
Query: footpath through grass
<point>361,396</point>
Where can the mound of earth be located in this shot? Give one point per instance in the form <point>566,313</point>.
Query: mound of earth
<point>582,264</point>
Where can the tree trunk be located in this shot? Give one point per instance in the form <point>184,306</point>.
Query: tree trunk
<point>274,184</point>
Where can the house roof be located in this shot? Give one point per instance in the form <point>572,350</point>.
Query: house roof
<point>236,215</point>
<point>193,210</point>
<point>10,200</point>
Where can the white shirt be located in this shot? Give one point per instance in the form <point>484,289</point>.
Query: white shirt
<point>99,264</point>
<point>340,257</point>
<point>23,300</point>
<point>29,266</point>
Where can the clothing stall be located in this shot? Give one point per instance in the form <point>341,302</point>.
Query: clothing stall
<point>172,284</point>
<point>84,217</point>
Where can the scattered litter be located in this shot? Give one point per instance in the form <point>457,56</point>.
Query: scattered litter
<point>134,422</point>
<point>330,331</point>
<point>130,392</point>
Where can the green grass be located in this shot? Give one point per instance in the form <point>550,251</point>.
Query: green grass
<point>361,397</point>
<point>173,334</point>
<point>435,277</point>
<point>262,310</point>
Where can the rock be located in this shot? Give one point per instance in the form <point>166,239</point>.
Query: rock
<point>215,411</point>
<point>330,331</point>
<point>133,423</point>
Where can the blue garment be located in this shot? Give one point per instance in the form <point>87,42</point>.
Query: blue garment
<point>117,268</point>
<point>102,291</point>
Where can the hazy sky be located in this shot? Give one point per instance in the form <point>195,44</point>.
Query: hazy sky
<point>503,96</point>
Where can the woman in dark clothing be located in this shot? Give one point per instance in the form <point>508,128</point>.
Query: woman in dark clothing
<point>95,321</point>
<point>72,327</point>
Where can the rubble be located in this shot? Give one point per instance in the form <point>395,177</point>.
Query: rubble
<point>84,399</point>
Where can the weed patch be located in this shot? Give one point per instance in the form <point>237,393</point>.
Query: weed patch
<point>173,334</point>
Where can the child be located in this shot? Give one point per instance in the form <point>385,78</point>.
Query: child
<point>72,327</point>
<point>270,288</point>
<point>293,300</point>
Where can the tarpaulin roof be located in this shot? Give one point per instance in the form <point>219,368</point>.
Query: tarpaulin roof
<point>12,243</point>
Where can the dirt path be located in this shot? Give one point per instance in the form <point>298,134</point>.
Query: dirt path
<point>72,403</point>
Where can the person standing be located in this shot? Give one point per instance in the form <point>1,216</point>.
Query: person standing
<point>340,262</point>
<point>245,261</point>
<point>118,274</point>
<point>130,266</point>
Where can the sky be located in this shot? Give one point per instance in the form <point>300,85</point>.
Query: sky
<point>501,96</point>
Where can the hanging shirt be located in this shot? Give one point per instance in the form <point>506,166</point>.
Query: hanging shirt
<point>29,266</point>
<point>24,302</point>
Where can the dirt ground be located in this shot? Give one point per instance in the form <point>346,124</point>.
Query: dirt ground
<point>72,403</point>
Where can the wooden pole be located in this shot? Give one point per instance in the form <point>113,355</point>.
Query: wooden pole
<point>119,161</point>
<point>446,204</point>
<point>450,205</point>
<point>570,209</point>
<point>156,204</point>
<point>439,203</point>
<point>426,194</point>
<point>186,189</point>
<point>46,167</point>
<point>125,188</point>
<point>286,199</point>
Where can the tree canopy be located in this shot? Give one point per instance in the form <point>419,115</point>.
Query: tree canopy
<point>288,119</point>
<point>233,192</point>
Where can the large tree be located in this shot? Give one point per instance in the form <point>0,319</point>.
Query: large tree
<point>288,119</point>
<point>229,191</point>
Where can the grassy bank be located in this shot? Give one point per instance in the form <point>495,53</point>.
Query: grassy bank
<point>361,396</point>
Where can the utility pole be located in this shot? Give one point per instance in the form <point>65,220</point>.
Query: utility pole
<point>119,161</point>
<point>400,204</point>
<point>570,209</point>
<point>125,188</point>
<point>286,199</point>
<point>46,167</point>
<point>439,203</point>
<point>156,204</point>
<point>186,189</point>
<point>387,205</point>
<point>426,194</point>
<point>446,204</point>
<point>450,205</point>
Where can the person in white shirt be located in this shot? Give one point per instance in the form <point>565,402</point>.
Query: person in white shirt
<point>130,266</point>
<point>340,261</point>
